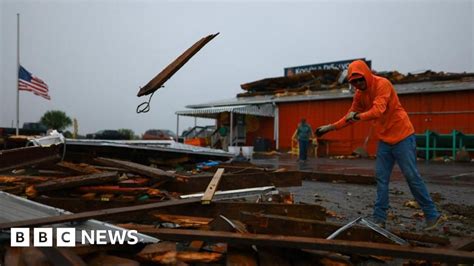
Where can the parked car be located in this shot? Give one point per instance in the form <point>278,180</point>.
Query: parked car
<point>106,134</point>
<point>35,126</point>
<point>159,134</point>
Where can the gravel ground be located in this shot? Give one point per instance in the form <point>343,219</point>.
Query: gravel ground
<point>450,185</point>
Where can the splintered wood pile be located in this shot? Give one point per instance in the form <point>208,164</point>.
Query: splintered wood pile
<point>238,228</point>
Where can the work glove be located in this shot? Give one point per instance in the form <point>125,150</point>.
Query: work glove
<point>323,130</point>
<point>352,117</point>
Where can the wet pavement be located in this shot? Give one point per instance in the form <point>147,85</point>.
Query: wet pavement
<point>450,184</point>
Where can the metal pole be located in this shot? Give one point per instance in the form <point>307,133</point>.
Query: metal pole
<point>231,127</point>
<point>177,128</point>
<point>17,74</point>
<point>195,120</point>
<point>276,126</point>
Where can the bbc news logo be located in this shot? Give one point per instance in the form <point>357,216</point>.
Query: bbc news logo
<point>66,237</point>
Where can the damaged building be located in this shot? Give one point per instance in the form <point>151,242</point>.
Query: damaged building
<point>440,106</point>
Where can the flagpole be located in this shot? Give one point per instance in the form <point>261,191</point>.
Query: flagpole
<point>17,74</point>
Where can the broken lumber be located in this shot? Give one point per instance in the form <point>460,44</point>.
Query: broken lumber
<point>114,189</point>
<point>193,184</point>
<point>233,210</point>
<point>169,71</point>
<point>94,214</point>
<point>155,173</point>
<point>339,177</point>
<point>183,220</point>
<point>70,182</point>
<point>341,246</point>
<point>287,225</point>
<point>211,188</point>
<point>28,156</point>
<point>81,168</point>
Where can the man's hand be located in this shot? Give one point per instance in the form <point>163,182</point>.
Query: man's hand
<point>323,130</point>
<point>352,117</point>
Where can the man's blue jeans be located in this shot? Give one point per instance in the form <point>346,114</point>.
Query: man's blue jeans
<point>303,147</point>
<point>404,153</point>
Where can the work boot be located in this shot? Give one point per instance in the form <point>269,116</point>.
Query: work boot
<point>435,223</point>
<point>381,224</point>
<point>378,222</point>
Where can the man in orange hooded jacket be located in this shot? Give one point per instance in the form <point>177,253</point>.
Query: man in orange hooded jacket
<point>376,100</point>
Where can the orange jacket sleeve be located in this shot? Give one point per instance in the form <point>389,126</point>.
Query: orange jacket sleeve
<point>355,107</point>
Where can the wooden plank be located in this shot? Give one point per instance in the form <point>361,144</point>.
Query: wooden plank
<point>284,225</point>
<point>189,185</point>
<point>79,168</point>
<point>341,246</point>
<point>233,210</point>
<point>70,182</point>
<point>339,177</point>
<point>184,221</point>
<point>230,210</point>
<point>234,169</point>
<point>137,168</point>
<point>23,178</point>
<point>94,214</point>
<point>114,189</point>
<point>212,187</point>
<point>134,182</point>
<point>169,71</point>
<point>28,156</point>
<point>198,257</point>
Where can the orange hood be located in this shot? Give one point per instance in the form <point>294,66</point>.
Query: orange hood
<point>378,103</point>
<point>360,68</point>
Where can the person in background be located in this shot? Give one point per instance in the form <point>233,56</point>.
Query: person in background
<point>376,100</point>
<point>304,133</point>
<point>223,132</point>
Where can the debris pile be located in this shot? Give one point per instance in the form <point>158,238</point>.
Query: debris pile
<point>224,214</point>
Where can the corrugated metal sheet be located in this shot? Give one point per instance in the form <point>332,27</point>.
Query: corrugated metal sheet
<point>157,145</point>
<point>14,208</point>
<point>212,112</point>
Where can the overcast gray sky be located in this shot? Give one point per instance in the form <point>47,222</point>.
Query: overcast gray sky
<point>94,55</point>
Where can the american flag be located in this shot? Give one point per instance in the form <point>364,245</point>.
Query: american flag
<point>28,82</point>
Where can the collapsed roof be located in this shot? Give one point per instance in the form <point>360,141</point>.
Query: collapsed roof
<point>320,80</point>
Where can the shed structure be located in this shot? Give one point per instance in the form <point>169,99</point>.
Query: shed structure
<point>439,106</point>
